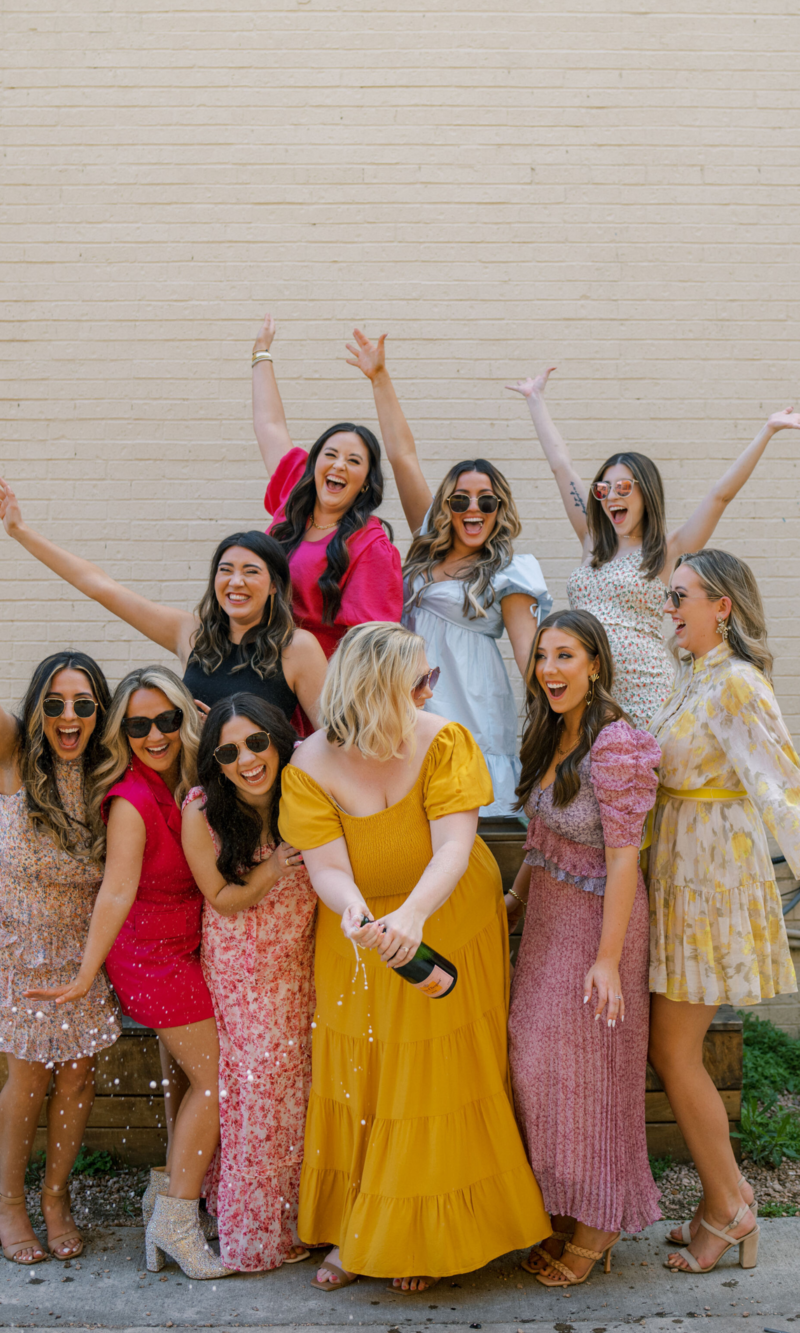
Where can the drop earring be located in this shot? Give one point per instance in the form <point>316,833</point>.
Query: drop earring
<point>593,677</point>
<point>723,629</point>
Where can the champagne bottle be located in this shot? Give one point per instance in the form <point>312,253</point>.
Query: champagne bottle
<point>429,971</point>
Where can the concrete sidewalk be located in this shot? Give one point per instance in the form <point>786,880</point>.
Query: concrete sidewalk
<point>107,1287</point>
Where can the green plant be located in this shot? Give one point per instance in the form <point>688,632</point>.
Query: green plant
<point>89,1163</point>
<point>767,1134</point>
<point>778,1210</point>
<point>771,1059</point>
<point>34,1174</point>
<point>659,1166</point>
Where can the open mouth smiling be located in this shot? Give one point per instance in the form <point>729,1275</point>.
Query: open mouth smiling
<point>556,688</point>
<point>617,513</point>
<point>254,775</point>
<point>68,737</point>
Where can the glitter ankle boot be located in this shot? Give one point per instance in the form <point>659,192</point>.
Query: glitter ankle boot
<point>174,1230</point>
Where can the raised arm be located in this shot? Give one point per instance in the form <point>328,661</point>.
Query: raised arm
<point>9,740</point>
<point>573,490</point>
<point>227,899</point>
<point>304,666</point>
<point>415,493</point>
<point>697,530</point>
<point>269,418</point>
<point>169,628</point>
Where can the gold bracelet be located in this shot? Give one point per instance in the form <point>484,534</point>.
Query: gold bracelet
<point>519,900</point>
<point>260,356</point>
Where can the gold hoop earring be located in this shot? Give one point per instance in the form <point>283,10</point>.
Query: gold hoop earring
<point>593,678</point>
<point>723,629</point>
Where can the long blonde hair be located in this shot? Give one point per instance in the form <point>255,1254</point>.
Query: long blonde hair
<point>725,575</point>
<point>366,700</point>
<point>430,548</point>
<point>116,742</point>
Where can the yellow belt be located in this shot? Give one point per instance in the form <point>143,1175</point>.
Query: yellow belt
<point>691,794</point>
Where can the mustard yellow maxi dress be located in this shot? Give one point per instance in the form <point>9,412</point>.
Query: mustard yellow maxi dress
<point>413,1161</point>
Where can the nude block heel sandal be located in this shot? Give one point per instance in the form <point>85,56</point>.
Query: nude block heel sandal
<point>686,1233</point>
<point>748,1246</point>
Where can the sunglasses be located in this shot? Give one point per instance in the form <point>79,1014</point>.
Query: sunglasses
<point>257,744</point>
<point>139,727</point>
<point>430,678</point>
<point>460,503</point>
<point>80,707</point>
<point>601,490</point>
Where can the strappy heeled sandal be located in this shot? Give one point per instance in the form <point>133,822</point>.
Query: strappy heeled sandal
<point>542,1252</point>
<point>570,1278</point>
<point>70,1234</point>
<point>686,1233</point>
<point>11,1251</point>
<point>748,1246</point>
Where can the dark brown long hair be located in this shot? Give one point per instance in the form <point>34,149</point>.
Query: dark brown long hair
<point>543,726</point>
<point>605,542</point>
<point>212,643</point>
<point>300,508</point>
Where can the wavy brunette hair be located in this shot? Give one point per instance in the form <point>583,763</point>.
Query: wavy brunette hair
<point>118,750</point>
<point>430,548</point>
<point>605,542</point>
<point>212,642</point>
<point>366,701</point>
<point>542,728</point>
<point>724,575</point>
<point>83,841</point>
<point>300,508</point>
<point>236,824</point>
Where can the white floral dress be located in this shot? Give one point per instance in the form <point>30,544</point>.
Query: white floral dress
<point>717,933</point>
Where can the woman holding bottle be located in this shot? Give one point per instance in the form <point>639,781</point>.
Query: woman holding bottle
<point>717,935</point>
<point>628,554</point>
<point>345,569</point>
<point>413,1166</point>
<point>463,584</point>
<point>50,871</point>
<point>579,1008</point>
<point>241,636</point>
<point>145,927</point>
<point>257,955</point>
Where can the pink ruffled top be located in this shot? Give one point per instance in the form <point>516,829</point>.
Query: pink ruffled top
<point>618,787</point>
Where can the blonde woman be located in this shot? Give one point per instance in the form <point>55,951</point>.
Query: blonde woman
<point>413,1166</point>
<point>463,585</point>
<point>146,928</point>
<point>717,934</point>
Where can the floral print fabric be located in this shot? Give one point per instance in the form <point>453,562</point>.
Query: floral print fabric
<point>717,933</point>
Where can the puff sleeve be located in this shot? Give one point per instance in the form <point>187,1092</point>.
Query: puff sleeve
<point>308,817</point>
<point>456,777</point>
<point>523,574</point>
<point>624,777</point>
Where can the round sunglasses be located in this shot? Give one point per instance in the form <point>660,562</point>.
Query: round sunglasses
<point>429,678</point>
<point>80,707</point>
<point>139,727</point>
<point>460,503</point>
<point>257,743</point>
<point>601,490</point>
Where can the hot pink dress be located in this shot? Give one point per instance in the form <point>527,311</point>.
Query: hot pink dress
<point>579,1086</point>
<point>372,587</point>
<point>154,963</point>
<point>259,965</point>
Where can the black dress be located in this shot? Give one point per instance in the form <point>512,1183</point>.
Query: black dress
<point>225,681</point>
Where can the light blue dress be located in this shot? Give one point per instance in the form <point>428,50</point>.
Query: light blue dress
<point>474,688</point>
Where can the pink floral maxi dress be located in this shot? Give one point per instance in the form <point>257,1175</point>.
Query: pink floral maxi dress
<point>579,1086</point>
<point>46,902</point>
<point>259,968</point>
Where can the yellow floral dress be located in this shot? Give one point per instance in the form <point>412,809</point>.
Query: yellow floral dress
<point>717,933</point>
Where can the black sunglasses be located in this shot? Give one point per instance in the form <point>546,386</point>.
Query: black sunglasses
<point>80,707</point>
<point>257,743</point>
<point>460,503</point>
<point>430,678</point>
<point>139,727</point>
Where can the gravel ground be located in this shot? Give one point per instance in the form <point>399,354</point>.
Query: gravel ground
<point>113,1200</point>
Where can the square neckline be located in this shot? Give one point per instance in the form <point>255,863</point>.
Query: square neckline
<point>395,804</point>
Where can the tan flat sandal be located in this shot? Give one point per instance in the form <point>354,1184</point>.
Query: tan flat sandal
<point>73,1234</point>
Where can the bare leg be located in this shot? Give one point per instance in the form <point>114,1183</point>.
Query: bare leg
<point>195,1048</point>
<point>676,1053</point>
<point>585,1238</point>
<point>554,1245</point>
<point>20,1105</point>
<point>175,1085</point>
<point>70,1105</point>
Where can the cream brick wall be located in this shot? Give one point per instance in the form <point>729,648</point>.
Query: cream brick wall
<point>612,187</point>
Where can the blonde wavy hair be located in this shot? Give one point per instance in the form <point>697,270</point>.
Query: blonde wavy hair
<point>430,548</point>
<point>366,701</point>
<point>116,742</point>
<point>724,575</point>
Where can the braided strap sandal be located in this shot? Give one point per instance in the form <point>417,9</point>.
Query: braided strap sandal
<point>568,1278</point>
<point>748,1246</point>
<point>11,1251</point>
<point>72,1233</point>
<point>542,1253</point>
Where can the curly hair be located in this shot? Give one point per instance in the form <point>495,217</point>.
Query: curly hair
<point>236,824</point>
<point>300,508</point>
<point>605,542</point>
<point>116,742</point>
<point>543,726</point>
<point>212,642</point>
<point>82,841</point>
<point>429,548</point>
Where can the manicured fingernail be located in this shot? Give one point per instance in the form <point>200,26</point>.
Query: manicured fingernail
<point>610,1024</point>
<point>586,999</point>
<point>596,1017</point>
